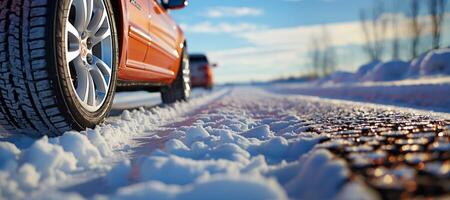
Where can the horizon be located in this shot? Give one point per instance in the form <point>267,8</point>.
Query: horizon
<point>254,41</point>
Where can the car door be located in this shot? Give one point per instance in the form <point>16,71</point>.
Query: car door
<point>139,39</point>
<point>163,30</point>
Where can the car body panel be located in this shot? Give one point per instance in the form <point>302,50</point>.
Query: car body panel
<point>151,43</point>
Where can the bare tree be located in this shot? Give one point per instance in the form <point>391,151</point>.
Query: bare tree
<point>368,46</point>
<point>322,53</point>
<point>315,55</point>
<point>415,26</point>
<point>329,61</point>
<point>379,24</point>
<point>396,33</point>
<point>437,12</point>
<point>374,30</point>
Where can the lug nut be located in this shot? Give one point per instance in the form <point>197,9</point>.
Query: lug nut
<point>89,41</point>
<point>90,59</point>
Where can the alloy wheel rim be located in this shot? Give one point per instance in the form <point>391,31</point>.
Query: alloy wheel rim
<point>89,52</point>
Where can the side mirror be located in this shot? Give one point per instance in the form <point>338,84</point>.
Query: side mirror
<point>214,65</point>
<point>174,4</point>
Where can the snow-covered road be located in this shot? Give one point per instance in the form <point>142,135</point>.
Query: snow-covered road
<point>237,143</point>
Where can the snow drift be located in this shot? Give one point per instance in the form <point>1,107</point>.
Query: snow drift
<point>436,62</point>
<point>387,71</point>
<point>414,67</point>
<point>338,77</point>
<point>364,69</point>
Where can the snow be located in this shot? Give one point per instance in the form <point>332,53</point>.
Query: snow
<point>50,160</point>
<point>387,71</point>
<point>230,144</point>
<point>87,154</point>
<point>315,172</point>
<point>30,167</point>
<point>430,93</point>
<point>364,69</point>
<point>356,191</point>
<point>338,77</point>
<point>261,132</point>
<point>414,67</point>
<point>219,187</point>
<point>8,156</point>
<point>436,62</point>
<point>195,133</point>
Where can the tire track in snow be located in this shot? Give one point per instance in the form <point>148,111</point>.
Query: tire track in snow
<point>147,141</point>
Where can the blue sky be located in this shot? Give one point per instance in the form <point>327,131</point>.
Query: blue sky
<point>266,39</point>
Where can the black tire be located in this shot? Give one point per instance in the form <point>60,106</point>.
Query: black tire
<point>180,89</point>
<point>35,96</point>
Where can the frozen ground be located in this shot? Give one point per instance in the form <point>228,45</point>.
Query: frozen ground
<point>236,143</point>
<point>429,93</point>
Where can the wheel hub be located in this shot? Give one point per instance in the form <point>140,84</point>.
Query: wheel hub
<point>84,50</point>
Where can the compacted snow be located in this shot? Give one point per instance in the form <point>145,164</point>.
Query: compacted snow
<point>230,144</point>
<point>218,146</point>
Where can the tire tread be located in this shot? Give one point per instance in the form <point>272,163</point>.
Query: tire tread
<point>27,97</point>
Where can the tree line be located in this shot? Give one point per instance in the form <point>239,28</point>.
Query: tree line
<point>375,26</point>
<point>385,16</point>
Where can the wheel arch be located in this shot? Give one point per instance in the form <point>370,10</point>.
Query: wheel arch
<point>120,16</point>
<point>181,50</point>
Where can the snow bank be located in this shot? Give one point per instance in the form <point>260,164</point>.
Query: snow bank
<point>414,67</point>
<point>31,169</point>
<point>364,69</point>
<point>429,94</point>
<point>436,62</point>
<point>338,77</point>
<point>387,71</point>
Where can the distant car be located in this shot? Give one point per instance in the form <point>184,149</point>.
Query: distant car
<point>201,71</point>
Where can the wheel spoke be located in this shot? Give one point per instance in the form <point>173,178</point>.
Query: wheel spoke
<point>91,91</point>
<point>73,37</point>
<point>72,30</point>
<point>71,55</point>
<point>102,66</point>
<point>99,79</point>
<point>101,35</point>
<point>97,21</point>
<point>83,13</point>
<point>82,80</point>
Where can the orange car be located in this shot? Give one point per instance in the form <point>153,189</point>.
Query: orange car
<point>201,71</point>
<point>62,60</point>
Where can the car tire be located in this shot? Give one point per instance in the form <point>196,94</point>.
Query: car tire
<point>38,83</point>
<point>180,89</point>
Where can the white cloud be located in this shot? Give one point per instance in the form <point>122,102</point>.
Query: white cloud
<point>277,50</point>
<point>347,33</point>
<point>223,27</point>
<point>219,12</point>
